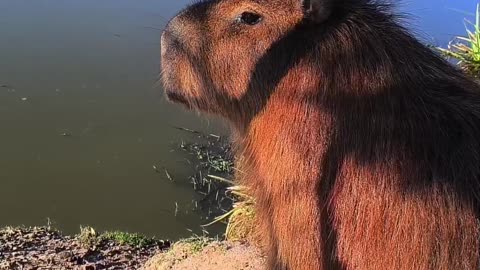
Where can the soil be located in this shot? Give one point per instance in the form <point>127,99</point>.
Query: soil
<point>215,256</point>
<point>42,248</point>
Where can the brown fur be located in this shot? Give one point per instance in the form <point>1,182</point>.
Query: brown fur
<point>361,146</point>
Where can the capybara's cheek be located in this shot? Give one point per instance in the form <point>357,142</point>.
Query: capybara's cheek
<point>230,70</point>
<point>191,78</point>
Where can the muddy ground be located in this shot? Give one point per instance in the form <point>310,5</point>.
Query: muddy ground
<point>42,248</point>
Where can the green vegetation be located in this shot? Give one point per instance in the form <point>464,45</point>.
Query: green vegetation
<point>88,237</point>
<point>130,239</point>
<point>466,50</point>
<point>213,159</point>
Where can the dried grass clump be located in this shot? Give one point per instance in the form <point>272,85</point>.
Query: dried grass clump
<point>241,219</point>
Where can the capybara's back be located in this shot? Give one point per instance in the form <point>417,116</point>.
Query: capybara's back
<point>360,144</point>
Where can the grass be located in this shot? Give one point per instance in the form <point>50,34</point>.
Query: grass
<point>88,237</point>
<point>466,49</point>
<point>130,239</point>
<point>241,218</point>
<point>212,155</point>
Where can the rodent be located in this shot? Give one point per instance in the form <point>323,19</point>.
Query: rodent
<point>360,144</point>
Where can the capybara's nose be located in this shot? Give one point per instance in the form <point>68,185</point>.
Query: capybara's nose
<point>171,35</point>
<point>167,38</point>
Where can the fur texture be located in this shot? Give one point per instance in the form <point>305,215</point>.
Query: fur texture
<point>361,145</point>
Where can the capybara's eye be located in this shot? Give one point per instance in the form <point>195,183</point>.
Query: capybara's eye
<point>249,18</point>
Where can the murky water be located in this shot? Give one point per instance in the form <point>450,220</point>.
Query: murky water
<point>88,69</point>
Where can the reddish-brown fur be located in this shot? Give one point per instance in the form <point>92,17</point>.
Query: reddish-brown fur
<point>361,146</point>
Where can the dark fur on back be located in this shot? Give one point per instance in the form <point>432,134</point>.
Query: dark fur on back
<point>361,145</point>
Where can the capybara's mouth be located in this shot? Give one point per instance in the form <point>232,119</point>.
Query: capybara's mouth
<point>175,97</point>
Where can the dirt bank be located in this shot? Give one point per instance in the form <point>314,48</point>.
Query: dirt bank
<point>211,256</point>
<point>44,248</point>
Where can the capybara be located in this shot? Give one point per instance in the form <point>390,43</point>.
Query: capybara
<point>360,145</point>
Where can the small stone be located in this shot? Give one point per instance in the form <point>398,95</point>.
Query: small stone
<point>89,267</point>
<point>65,255</point>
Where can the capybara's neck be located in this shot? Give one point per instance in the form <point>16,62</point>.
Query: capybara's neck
<point>283,145</point>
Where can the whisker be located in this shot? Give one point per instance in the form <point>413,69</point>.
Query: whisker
<point>153,28</point>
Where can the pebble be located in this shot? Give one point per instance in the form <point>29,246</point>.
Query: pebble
<point>89,267</point>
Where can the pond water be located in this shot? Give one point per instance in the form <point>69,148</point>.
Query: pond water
<point>88,69</point>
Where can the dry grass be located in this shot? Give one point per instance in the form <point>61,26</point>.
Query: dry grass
<point>240,219</point>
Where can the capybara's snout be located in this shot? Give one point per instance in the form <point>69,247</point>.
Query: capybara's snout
<point>172,48</point>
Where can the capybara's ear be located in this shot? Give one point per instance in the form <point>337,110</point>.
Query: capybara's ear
<point>317,11</point>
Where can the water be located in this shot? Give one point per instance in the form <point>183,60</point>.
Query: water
<point>437,21</point>
<point>88,69</point>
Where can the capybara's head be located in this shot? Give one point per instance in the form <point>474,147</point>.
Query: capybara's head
<point>222,56</point>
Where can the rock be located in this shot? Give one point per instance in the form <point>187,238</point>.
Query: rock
<point>66,255</point>
<point>89,267</point>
